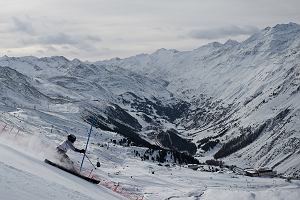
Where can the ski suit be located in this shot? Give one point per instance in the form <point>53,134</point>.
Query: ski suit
<point>65,146</point>
<point>62,149</point>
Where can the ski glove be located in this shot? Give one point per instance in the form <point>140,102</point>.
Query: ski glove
<point>82,151</point>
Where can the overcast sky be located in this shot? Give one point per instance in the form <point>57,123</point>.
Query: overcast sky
<point>102,29</point>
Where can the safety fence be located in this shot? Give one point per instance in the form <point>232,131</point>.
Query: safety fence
<point>10,130</point>
<point>114,186</point>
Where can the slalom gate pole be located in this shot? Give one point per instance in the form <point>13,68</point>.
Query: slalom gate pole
<point>87,143</point>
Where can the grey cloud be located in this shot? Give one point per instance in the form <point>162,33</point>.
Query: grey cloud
<point>83,42</point>
<point>58,39</point>
<point>65,47</point>
<point>39,32</point>
<point>40,51</point>
<point>23,25</point>
<point>51,48</point>
<point>222,32</point>
<point>93,38</point>
<point>62,38</point>
<point>87,47</point>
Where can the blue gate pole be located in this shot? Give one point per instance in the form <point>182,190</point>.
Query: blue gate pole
<point>87,143</point>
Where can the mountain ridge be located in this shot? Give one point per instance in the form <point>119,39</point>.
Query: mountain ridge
<point>236,86</point>
<point>245,84</point>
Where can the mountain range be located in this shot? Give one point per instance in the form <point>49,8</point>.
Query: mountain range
<point>237,101</point>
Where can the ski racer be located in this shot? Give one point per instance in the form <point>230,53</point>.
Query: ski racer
<point>63,148</point>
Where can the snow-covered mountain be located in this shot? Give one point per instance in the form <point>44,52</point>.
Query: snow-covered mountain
<point>235,101</point>
<point>243,89</point>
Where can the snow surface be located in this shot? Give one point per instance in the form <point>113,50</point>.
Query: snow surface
<point>24,175</point>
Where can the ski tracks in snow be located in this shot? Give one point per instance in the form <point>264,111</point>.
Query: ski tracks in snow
<point>27,178</point>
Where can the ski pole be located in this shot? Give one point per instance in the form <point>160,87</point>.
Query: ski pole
<point>87,143</point>
<point>91,172</point>
<point>90,161</point>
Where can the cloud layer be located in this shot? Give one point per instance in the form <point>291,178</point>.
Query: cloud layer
<point>223,32</point>
<point>101,29</point>
<point>40,34</point>
<point>22,26</point>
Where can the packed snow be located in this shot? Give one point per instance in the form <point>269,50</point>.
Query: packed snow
<point>24,175</point>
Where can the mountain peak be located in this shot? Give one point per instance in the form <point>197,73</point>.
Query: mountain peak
<point>55,58</point>
<point>165,51</point>
<point>210,45</point>
<point>231,42</point>
<point>284,27</point>
<point>276,35</point>
<point>76,61</point>
<point>214,44</point>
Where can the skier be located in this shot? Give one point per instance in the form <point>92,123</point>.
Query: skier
<point>64,147</point>
<point>64,161</point>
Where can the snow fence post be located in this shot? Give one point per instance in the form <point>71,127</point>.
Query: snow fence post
<point>17,133</point>
<point>87,143</point>
<point>4,127</point>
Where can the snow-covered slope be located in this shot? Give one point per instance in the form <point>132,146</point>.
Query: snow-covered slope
<point>24,175</point>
